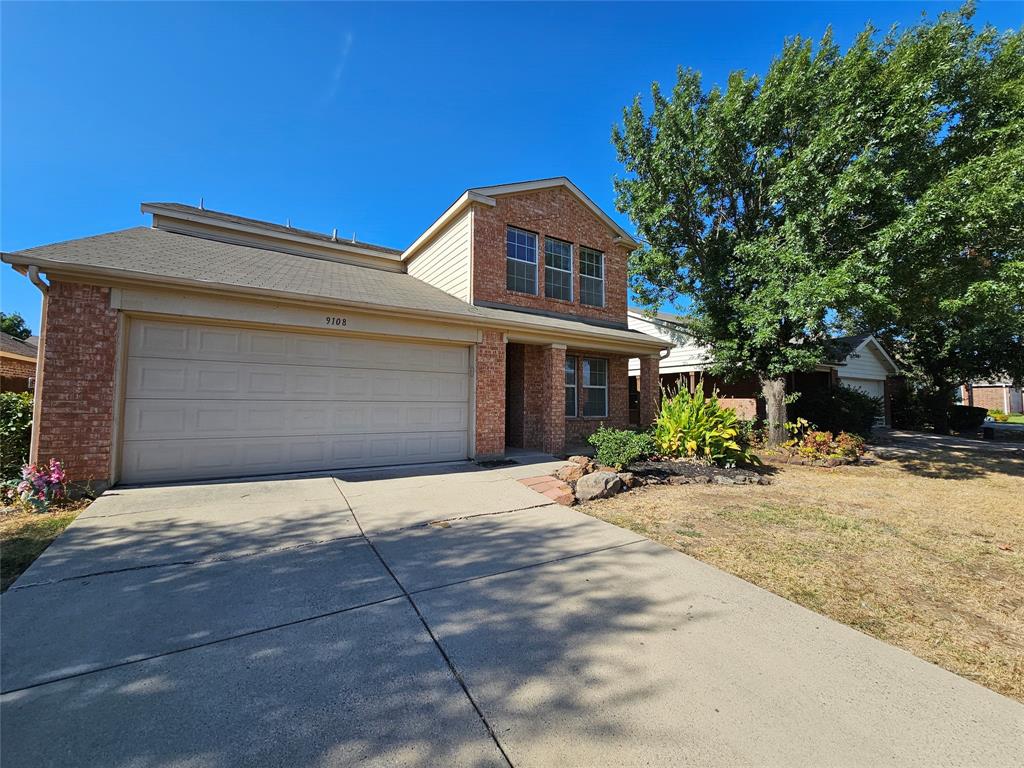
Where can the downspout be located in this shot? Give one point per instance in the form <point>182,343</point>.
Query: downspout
<point>37,402</point>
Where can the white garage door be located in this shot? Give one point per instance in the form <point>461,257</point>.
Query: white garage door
<point>209,401</point>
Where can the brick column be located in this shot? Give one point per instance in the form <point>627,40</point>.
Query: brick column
<point>490,395</point>
<point>553,399</point>
<point>75,413</point>
<point>650,390</point>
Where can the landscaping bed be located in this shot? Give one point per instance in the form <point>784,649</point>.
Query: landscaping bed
<point>686,472</point>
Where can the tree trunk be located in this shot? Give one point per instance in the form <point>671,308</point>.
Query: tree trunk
<point>774,393</point>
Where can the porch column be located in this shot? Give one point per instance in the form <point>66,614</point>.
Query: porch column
<point>553,399</point>
<point>650,382</point>
<point>490,395</point>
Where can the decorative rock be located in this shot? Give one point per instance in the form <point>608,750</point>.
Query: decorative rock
<point>583,461</point>
<point>629,479</point>
<point>570,473</point>
<point>598,485</point>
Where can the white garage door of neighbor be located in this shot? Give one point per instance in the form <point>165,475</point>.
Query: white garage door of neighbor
<point>207,401</point>
<point>871,387</point>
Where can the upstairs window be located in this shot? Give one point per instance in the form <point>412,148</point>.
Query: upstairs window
<point>521,260</point>
<point>595,387</point>
<point>570,387</point>
<point>591,277</point>
<point>557,269</point>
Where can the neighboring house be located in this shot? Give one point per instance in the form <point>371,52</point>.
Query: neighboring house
<point>861,363</point>
<point>17,364</point>
<point>993,395</point>
<point>212,345</point>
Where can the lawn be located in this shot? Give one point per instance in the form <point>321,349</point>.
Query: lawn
<point>1016,418</point>
<point>24,535</point>
<point>926,552</point>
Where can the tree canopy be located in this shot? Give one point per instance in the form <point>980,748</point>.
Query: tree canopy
<point>14,325</point>
<point>835,193</point>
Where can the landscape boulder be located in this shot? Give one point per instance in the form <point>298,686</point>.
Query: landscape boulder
<point>570,473</point>
<point>598,485</point>
<point>629,479</point>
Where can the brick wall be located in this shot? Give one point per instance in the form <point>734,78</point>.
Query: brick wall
<point>14,374</point>
<point>577,430</point>
<point>490,395</point>
<point>548,212</point>
<point>993,398</point>
<point>76,392</point>
<point>515,402</point>
<point>650,390</point>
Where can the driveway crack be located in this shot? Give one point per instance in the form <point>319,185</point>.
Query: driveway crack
<point>430,632</point>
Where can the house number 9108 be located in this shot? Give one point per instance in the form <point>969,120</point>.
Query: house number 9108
<point>332,320</point>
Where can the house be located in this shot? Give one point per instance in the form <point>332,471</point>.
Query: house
<point>17,364</point>
<point>212,345</point>
<point>861,363</point>
<point>998,395</point>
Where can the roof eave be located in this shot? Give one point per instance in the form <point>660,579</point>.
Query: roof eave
<point>591,338</point>
<point>455,209</point>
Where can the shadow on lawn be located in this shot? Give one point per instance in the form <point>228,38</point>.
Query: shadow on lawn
<point>362,682</point>
<point>955,461</point>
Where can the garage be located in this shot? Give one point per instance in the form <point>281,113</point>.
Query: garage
<point>210,401</point>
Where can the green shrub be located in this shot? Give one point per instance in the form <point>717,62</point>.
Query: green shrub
<point>15,432</point>
<point>998,415</point>
<point>840,409</point>
<point>910,408</point>
<point>816,444</point>
<point>750,433</point>
<point>693,426</point>
<point>620,447</point>
<point>966,418</point>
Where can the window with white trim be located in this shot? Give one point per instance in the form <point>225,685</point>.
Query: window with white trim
<point>570,387</point>
<point>557,269</point>
<point>591,277</point>
<point>521,260</point>
<point>595,387</point>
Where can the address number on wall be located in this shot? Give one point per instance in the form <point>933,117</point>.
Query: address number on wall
<point>334,320</point>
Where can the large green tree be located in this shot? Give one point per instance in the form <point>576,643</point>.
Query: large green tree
<point>950,267</point>
<point>779,206</point>
<point>14,325</point>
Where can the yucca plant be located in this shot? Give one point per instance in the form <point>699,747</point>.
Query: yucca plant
<point>693,426</point>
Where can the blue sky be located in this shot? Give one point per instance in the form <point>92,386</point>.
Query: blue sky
<point>367,117</point>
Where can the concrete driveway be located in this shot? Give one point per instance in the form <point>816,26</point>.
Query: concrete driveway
<point>441,617</point>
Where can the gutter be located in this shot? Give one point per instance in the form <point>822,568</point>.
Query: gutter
<point>37,401</point>
<point>642,344</point>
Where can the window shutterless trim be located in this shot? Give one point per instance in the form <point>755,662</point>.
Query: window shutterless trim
<point>548,266</point>
<point>603,387</point>
<point>573,362</point>
<point>509,229</point>
<point>588,251</point>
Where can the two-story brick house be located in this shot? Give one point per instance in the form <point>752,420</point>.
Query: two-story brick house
<point>211,345</point>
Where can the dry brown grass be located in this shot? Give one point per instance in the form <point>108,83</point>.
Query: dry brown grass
<point>24,536</point>
<point>924,553</point>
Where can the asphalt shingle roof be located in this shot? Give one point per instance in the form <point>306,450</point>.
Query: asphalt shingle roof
<point>268,225</point>
<point>16,346</point>
<point>152,254</point>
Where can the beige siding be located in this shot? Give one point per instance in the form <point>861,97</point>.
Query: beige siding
<point>687,355</point>
<point>445,262</point>
<point>865,364</point>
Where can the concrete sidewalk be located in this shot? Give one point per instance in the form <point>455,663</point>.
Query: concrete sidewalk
<point>441,616</point>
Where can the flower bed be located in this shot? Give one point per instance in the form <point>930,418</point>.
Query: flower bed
<point>689,472</point>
